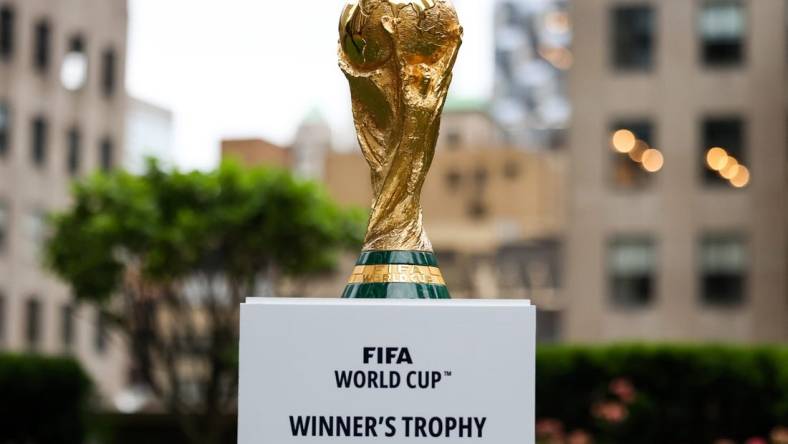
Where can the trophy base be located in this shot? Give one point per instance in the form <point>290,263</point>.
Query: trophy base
<point>396,275</point>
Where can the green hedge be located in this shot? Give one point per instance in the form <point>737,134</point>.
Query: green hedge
<point>42,400</point>
<point>663,394</point>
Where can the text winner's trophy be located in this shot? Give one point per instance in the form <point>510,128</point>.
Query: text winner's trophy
<point>398,56</point>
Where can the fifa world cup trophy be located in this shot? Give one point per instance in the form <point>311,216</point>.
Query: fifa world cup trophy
<point>398,57</point>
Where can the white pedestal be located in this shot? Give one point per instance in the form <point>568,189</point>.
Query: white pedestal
<point>319,371</point>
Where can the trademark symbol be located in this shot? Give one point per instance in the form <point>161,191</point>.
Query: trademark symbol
<point>447,373</point>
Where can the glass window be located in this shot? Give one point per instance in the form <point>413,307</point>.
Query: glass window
<point>36,228</point>
<point>5,129</point>
<point>2,318</point>
<point>633,37</point>
<point>101,332</point>
<point>549,324</point>
<point>6,32</point>
<point>722,28</point>
<point>729,135</point>
<point>39,141</point>
<point>107,154</point>
<point>43,36</point>
<point>74,71</point>
<point>74,151</point>
<point>5,222</point>
<point>108,73</point>
<point>630,140</point>
<point>723,270</point>
<point>33,334</point>
<point>632,267</point>
<point>67,326</point>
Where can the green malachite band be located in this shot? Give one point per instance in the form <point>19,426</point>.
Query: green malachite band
<point>396,290</point>
<point>397,258</point>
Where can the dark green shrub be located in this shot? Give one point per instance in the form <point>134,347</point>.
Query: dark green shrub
<point>42,400</point>
<point>682,394</point>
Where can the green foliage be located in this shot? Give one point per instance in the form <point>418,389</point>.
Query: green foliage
<point>42,400</point>
<point>232,221</point>
<point>682,394</point>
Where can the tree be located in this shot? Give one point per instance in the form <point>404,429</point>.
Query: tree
<point>169,257</point>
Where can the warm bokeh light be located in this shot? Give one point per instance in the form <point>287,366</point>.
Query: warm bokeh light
<point>742,178</point>
<point>636,154</point>
<point>624,141</point>
<point>653,160</point>
<point>717,158</point>
<point>731,169</point>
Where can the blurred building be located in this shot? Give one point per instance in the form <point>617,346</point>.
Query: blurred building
<point>670,239</point>
<point>532,56</point>
<point>149,134</point>
<point>62,115</point>
<point>495,214</point>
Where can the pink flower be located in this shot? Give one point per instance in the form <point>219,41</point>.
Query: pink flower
<point>624,389</point>
<point>550,429</point>
<point>610,411</point>
<point>579,437</point>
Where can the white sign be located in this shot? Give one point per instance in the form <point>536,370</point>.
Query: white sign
<point>384,371</point>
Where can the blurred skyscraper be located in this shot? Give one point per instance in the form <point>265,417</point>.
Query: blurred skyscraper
<point>149,133</point>
<point>532,56</point>
<point>62,116</point>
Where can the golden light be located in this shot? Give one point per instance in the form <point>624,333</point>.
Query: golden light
<point>624,141</point>
<point>742,178</point>
<point>653,160</point>
<point>731,169</point>
<point>636,154</point>
<point>717,158</point>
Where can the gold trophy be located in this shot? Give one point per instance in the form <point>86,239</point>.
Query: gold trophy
<point>398,57</point>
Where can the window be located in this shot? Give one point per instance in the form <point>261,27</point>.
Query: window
<point>33,325</point>
<point>723,270</point>
<point>108,73</point>
<point>74,72</point>
<point>67,326</point>
<point>5,221</point>
<point>101,332</point>
<point>5,130</point>
<point>36,230</point>
<point>725,133</point>
<point>74,151</point>
<point>633,37</point>
<point>632,266</point>
<point>43,37</point>
<point>722,28</point>
<point>6,32</point>
<point>39,141</point>
<point>107,154</point>
<point>631,139</point>
<point>511,169</point>
<point>548,329</point>
<point>2,318</point>
<point>453,179</point>
<point>453,139</point>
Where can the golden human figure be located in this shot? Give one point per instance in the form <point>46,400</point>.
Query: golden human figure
<point>398,56</point>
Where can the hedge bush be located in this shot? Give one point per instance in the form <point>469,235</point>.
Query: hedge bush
<point>42,400</point>
<point>663,394</point>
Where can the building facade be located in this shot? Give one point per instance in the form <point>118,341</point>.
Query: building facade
<point>678,171</point>
<point>495,214</point>
<point>62,115</point>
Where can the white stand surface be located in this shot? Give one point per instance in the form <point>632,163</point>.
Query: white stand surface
<point>316,371</point>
